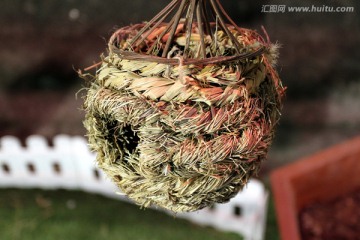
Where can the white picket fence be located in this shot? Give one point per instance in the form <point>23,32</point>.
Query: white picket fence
<point>69,164</point>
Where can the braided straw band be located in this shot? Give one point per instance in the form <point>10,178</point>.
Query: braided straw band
<point>183,136</point>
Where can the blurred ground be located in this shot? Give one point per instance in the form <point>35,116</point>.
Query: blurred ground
<point>53,215</point>
<point>42,42</point>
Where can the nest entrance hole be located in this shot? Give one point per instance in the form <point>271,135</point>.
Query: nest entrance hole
<point>124,137</point>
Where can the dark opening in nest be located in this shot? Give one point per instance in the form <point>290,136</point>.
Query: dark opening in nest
<point>123,138</point>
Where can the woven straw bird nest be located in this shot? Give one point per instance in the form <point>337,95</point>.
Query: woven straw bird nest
<point>183,119</point>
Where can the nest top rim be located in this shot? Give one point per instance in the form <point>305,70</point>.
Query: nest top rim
<point>182,60</point>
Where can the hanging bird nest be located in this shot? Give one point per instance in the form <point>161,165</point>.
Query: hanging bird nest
<point>182,113</point>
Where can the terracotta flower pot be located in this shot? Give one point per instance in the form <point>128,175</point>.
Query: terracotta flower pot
<point>320,177</point>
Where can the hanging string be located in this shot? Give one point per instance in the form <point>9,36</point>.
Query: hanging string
<point>207,16</point>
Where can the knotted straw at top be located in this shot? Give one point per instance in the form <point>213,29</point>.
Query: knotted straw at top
<point>181,114</point>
